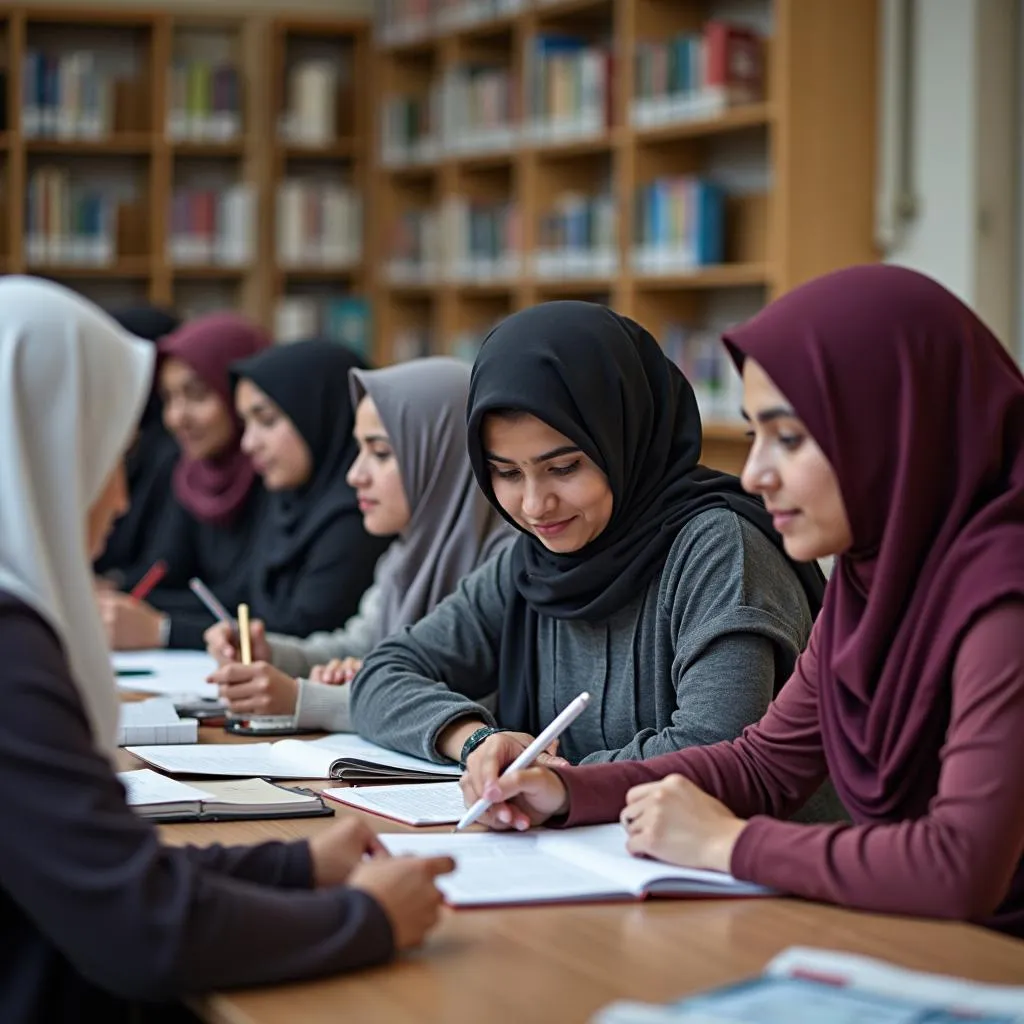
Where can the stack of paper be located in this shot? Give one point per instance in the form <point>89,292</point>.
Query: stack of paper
<point>154,721</point>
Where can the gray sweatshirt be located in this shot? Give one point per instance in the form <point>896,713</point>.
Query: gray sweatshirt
<point>691,660</point>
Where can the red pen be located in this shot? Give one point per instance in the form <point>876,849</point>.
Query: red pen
<point>154,574</point>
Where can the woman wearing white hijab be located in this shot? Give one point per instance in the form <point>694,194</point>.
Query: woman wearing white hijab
<point>174,921</point>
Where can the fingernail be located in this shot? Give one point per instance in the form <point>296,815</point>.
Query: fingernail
<point>492,792</point>
<point>504,817</point>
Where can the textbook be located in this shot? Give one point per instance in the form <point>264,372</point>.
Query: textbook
<point>547,866</point>
<point>824,987</point>
<point>342,756</point>
<point>422,803</point>
<point>158,798</point>
<point>154,721</point>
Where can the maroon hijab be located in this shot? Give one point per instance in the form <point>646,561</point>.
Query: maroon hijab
<point>920,411</point>
<point>214,490</point>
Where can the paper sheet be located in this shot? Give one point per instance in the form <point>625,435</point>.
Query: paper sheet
<point>419,803</point>
<point>148,787</point>
<point>172,673</point>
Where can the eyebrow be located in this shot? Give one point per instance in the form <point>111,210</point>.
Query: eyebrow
<point>257,407</point>
<point>568,449</point>
<point>777,412</point>
<point>376,439</point>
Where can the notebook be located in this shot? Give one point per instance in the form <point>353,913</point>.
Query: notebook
<point>154,796</point>
<point>154,721</point>
<point>165,673</point>
<point>423,803</point>
<point>577,865</point>
<point>342,756</point>
<point>818,986</point>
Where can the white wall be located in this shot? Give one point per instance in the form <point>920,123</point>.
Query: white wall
<point>963,148</point>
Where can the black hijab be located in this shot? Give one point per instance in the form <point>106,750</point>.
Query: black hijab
<point>308,380</point>
<point>148,464</point>
<point>602,381</point>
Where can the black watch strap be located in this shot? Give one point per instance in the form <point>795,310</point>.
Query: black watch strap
<point>475,739</point>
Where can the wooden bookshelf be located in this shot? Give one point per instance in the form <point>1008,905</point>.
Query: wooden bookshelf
<point>193,117</point>
<point>798,159</point>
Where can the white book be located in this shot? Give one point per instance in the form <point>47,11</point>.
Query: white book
<point>577,865</point>
<point>154,796</point>
<point>154,721</point>
<point>166,673</point>
<point>431,803</point>
<point>341,756</point>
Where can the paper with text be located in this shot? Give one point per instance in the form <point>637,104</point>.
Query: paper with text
<point>419,803</point>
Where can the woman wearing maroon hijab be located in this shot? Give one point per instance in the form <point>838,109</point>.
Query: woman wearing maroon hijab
<point>220,502</point>
<point>889,431</point>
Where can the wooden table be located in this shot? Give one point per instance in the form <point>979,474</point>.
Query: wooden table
<point>562,963</point>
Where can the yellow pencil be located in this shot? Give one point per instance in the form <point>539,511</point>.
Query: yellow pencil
<point>244,639</point>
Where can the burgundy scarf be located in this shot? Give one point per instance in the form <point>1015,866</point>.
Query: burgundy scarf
<point>921,413</point>
<point>214,490</point>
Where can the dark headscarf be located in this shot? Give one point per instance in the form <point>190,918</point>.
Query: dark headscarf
<point>920,411</point>
<point>602,381</point>
<point>148,464</point>
<point>308,381</point>
<point>215,490</point>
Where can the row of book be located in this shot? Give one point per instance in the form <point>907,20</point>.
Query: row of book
<point>205,101</point>
<point>399,21</point>
<point>705,363</point>
<point>341,318</point>
<point>697,74</point>
<point>318,224</point>
<point>70,96</point>
<point>578,237</point>
<point>317,101</point>
<point>679,224</point>
<point>68,222</point>
<point>212,227</point>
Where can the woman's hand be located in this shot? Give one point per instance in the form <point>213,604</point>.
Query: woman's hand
<point>337,672</point>
<point>336,851</point>
<point>676,821</point>
<point>257,689</point>
<point>521,799</point>
<point>486,764</point>
<point>222,642</point>
<point>130,625</point>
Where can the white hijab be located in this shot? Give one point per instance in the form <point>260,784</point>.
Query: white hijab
<point>72,387</point>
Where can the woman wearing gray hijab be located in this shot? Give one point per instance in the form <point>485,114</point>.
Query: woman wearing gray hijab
<point>414,480</point>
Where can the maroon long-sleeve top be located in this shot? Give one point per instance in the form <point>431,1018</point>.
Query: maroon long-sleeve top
<point>961,860</point>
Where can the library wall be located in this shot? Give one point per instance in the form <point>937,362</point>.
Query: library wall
<point>337,8</point>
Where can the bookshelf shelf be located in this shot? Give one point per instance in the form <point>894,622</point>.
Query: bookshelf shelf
<point>342,149</point>
<point>722,275</point>
<point>122,144</point>
<point>184,272</point>
<point>326,274</point>
<point>779,98</point>
<point>752,115</point>
<point>211,150</point>
<point>126,268</point>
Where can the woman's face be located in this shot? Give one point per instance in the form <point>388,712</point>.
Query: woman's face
<point>106,510</point>
<point>790,472</point>
<point>193,412</point>
<point>545,483</point>
<point>376,477</point>
<point>276,448</point>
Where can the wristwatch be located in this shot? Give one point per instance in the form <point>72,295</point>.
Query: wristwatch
<point>475,739</point>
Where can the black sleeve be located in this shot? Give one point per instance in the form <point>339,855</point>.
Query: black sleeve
<point>335,571</point>
<point>175,921</point>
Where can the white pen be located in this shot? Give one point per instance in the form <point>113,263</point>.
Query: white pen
<point>560,723</point>
<point>215,608</point>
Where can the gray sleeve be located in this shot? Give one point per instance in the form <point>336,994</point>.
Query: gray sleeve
<point>419,681</point>
<point>354,640</point>
<point>738,618</point>
<point>319,706</point>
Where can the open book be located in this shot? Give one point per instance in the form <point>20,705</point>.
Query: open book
<point>161,799</point>
<point>820,986</point>
<point>432,803</point>
<point>342,756</point>
<point>577,865</point>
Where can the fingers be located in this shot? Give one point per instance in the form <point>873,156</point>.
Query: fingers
<point>316,673</point>
<point>551,761</point>
<point>231,675</point>
<point>435,866</point>
<point>257,630</point>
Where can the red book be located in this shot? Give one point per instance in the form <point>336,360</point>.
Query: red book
<point>734,62</point>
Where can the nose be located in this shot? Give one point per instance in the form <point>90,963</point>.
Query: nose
<point>759,476</point>
<point>248,442</point>
<point>536,499</point>
<point>357,476</point>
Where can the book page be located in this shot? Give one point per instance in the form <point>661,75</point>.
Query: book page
<point>169,673</point>
<point>215,759</point>
<point>602,849</point>
<point>418,803</point>
<point>254,793</point>
<point>350,746</point>
<point>496,868</point>
<point>145,786</point>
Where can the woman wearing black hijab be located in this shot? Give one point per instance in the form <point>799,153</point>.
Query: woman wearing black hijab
<point>138,535</point>
<point>312,560</point>
<point>652,582</point>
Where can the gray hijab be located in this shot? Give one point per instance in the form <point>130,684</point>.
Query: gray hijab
<point>453,528</point>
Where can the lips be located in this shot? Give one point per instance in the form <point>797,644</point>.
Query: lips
<point>365,504</point>
<point>551,529</point>
<point>781,518</point>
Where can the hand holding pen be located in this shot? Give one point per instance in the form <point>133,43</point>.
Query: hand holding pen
<point>222,640</point>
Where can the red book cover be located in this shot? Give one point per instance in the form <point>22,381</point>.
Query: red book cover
<point>734,62</point>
